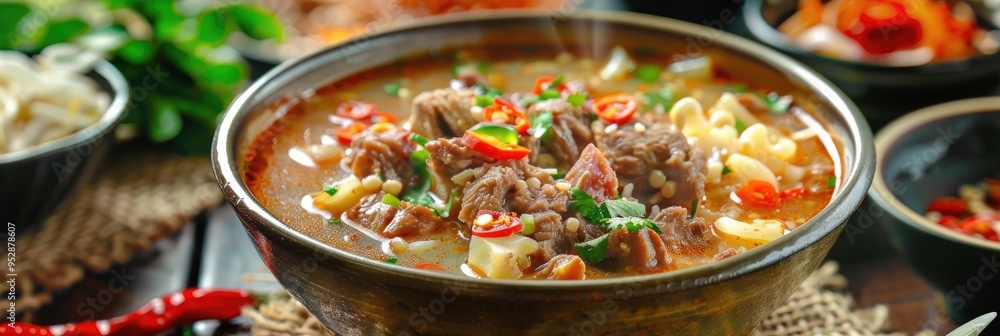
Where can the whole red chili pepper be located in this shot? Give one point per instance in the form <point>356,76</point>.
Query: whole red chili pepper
<point>159,315</point>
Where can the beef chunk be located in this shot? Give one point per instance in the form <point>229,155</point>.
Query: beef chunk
<point>640,251</point>
<point>551,234</point>
<point>634,155</point>
<point>380,153</point>
<point>593,174</point>
<point>562,267</point>
<point>688,236</point>
<point>388,221</point>
<point>488,192</point>
<point>570,130</point>
<point>443,112</point>
<point>545,198</point>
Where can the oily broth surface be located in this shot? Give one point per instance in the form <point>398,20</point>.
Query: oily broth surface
<point>284,182</point>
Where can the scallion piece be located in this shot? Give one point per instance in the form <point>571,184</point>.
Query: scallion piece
<point>694,208</point>
<point>335,221</point>
<point>541,125</point>
<point>484,101</point>
<point>392,89</point>
<point>576,99</point>
<point>647,73</point>
<point>593,251</point>
<point>528,222</point>
<point>418,139</point>
<point>392,260</point>
<point>831,182</point>
<point>419,157</point>
<point>555,82</point>
<point>390,200</point>
<point>549,94</point>
<point>778,104</point>
<point>726,170</point>
<point>740,126</point>
<point>558,176</point>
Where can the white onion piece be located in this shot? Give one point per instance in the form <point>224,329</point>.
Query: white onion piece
<point>693,67</point>
<point>619,64</point>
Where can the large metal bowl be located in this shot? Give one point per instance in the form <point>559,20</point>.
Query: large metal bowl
<point>353,295</point>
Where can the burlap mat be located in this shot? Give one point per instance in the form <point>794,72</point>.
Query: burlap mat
<point>139,196</point>
<point>819,307</point>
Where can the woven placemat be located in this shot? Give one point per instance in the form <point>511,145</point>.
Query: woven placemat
<point>819,307</point>
<point>138,197</point>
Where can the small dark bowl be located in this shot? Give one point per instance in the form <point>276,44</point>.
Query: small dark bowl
<point>354,295</point>
<point>36,180</point>
<point>761,18</point>
<point>927,154</point>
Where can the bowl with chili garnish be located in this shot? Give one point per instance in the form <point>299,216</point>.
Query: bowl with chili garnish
<point>507,173</point>
<point>884,46</point>
<point>58,113</point>
<point>936,182</point>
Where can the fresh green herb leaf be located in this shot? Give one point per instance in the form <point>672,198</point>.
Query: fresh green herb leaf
<point>528,100</point>
<point>331,189</point>
<point>549,94</point>
<point>392,260</point>
<point>665,97</point>
<point>585,206</point>
<point>555,82</point>
<point>619,208</point>
<point>528,222</point>
<point>726,170</point>
<point>502,132</point>
<point>557,176</point>
<point>831,182</point>
<point>484,101</point>
<point>213,28</point>
<point>541,125</point>
<point>390,200</point>
<point>778,104</point>
<point>165,122</point>
<point>11,13</point>
<point>392,89</point>
<point>740,126</point>
<point>335,221</point>
<point>576,99</point>
<point>257,23</point>
<point>418,139</point>
<point>593,251</point>
<point>631,224</point>
<point>647,73</point>
<point>694,208</point>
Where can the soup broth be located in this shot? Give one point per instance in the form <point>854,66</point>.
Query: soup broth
<point>492,164</point>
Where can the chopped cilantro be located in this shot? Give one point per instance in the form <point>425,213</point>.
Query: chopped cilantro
<point>647,73</point>
<point>392,89</point>
<point>694,208</point>
<point>484,101</point>
<point>392,260</point>
<point>330,189</point>
<point>593,251</point>
<point>541,125</point>
<point>576,99</point>
<point>619,208</point>
<point>740,126</point>
<point>390,200</point>
<point>585,206</point>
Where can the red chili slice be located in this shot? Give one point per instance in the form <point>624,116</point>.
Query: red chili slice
<point>542,83</point>
<point>491,147</point>
<point>356,110</point>
<point>346,133</point>
<point>504,112</point>
<point>951,206</point>
<point>616,109</point>
<point>500,224</point>
<point>759,193</point>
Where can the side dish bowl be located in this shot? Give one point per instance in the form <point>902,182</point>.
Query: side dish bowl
<point>858,78</point>
<point>354,295</point>
<point>927,154</point>
<point>36,180</point>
